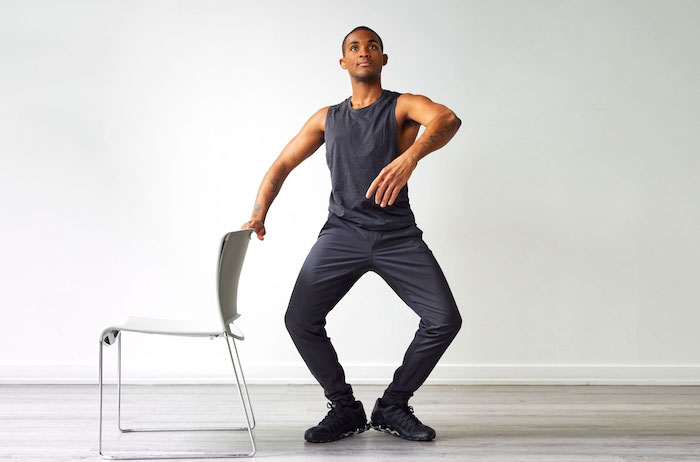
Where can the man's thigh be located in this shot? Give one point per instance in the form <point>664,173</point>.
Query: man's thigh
<point>336,261</point>
<point>408,265</point>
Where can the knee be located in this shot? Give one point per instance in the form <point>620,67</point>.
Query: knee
<point>457,323</point>
<point>454,324</point>
<point>449,325</point>
<point>290,321</point>
<point>299,323</point>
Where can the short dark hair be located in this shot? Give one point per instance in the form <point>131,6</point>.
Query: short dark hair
<point>381,44</point>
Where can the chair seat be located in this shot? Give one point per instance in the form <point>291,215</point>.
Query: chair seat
<point>182,327</point>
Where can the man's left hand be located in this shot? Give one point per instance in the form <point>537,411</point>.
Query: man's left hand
<point>391,179</point>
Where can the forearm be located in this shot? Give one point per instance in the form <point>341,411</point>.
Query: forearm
<point>269,188</point>
<point>437,133</point>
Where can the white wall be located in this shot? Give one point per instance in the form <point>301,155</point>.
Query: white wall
<point>563,213</point>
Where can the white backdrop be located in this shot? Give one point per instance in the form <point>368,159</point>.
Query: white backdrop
<point>564,213</point>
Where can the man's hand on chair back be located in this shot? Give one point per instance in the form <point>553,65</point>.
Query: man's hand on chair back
<point>258,226</point>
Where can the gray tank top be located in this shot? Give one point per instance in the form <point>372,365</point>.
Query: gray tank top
<point>359,143</point>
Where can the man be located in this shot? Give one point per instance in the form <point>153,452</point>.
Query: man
<point>371,149</point>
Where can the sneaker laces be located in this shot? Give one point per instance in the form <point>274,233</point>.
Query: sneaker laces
<point>335,418</point>
<point>408,417</point>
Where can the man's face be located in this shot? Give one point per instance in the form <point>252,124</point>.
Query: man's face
<point>363,56</point>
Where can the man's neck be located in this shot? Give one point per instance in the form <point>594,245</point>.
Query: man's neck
<point>365,93</point>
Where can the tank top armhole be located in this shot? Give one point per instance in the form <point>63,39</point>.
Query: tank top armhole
<point>325,124</point>
<point>397,148</point>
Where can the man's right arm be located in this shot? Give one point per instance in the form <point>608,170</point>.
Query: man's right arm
<point>302,146</point>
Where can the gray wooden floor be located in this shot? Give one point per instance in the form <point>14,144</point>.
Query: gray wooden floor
<point>473,423</point>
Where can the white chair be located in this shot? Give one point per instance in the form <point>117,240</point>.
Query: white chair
<point>231,255</point>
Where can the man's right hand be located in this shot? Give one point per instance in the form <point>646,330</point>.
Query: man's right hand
<point>257,225</point>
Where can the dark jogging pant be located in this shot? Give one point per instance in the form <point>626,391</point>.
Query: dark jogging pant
<point>342,253</point>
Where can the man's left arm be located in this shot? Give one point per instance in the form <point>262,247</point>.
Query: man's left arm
<point>440,123</point>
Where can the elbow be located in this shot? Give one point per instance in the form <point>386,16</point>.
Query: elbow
<point>281,169</point>
<point>454,120</point>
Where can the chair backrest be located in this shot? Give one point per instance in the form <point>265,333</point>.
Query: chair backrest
<point>234,246</point>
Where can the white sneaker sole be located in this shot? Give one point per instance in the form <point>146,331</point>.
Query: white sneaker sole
<point>386,430</point>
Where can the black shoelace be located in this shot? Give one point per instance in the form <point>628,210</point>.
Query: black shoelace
<point>407,417</point>
<point>335,418</point>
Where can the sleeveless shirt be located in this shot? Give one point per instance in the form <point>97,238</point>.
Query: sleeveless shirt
<point>359,143</point>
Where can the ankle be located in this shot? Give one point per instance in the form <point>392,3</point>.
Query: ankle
<point>346,402</point>
<point>390,400</point>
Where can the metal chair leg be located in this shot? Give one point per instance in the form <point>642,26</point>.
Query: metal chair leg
<point>249,428</point>
<point>240,394</point>
<point>119,384</point>
<point>99,442</point>
<point>157,429</point>
<point>245,385</point>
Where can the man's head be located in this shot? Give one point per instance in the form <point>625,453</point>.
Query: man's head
<point>343,45</point>
<point>363,54</point>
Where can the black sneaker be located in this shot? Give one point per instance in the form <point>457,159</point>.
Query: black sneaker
<point>398,419</point>
<point>341,421</point>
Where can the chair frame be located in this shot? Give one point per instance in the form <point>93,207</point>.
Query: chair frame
<point>248,410</point>
<point>249,417</point>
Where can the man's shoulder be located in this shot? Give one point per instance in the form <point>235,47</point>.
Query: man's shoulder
<point>409,96</point>
<point>407,99</point>
<point>318,119</point>
<point>336,106</point>
<point>325,111</point>
<point>331,107</point>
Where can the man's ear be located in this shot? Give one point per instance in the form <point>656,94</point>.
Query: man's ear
<point>386,59</point>
<point>342,63</point>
